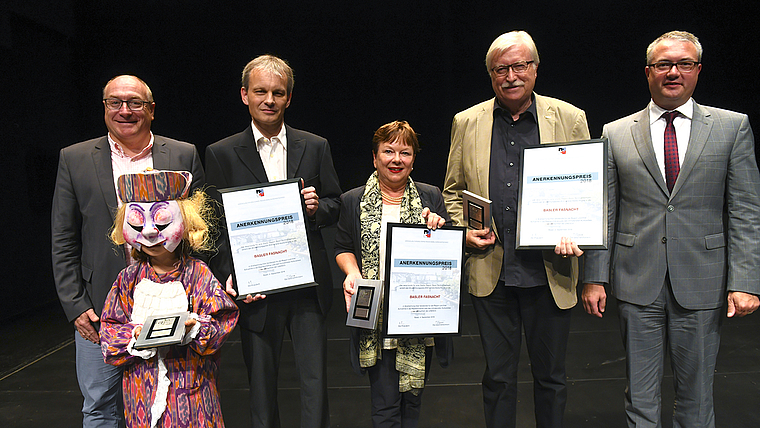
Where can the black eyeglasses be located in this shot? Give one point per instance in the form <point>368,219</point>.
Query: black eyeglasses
<point>518,67</point>
<point>133,104</point>
<point>666,66</point>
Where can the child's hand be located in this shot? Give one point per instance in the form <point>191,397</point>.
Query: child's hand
<point>189,323</point>
<point>137,331</point>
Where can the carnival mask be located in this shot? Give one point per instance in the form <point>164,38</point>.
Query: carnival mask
<point>153,223</point>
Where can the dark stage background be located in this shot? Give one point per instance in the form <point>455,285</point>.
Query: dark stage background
<point>358,65</point>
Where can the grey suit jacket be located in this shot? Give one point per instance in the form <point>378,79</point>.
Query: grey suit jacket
<point>85,261</point>
<point>468,168</point>
<point>234,161</point>
<point>704,234</point>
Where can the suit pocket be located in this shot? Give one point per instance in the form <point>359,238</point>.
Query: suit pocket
<point>625,239</point>
<point>87,274</point>
<point>717,240</point>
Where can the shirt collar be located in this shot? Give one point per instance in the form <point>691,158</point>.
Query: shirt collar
<point>119,151</point>
<point>257,135</point>
<point>655,112</point>
<point>531,109</point>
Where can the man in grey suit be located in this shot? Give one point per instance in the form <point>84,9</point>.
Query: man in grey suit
<point>85,262</point>
<point>269,150</point>
<point>684,223</point>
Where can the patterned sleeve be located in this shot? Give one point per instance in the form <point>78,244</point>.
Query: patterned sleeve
<point>115,326</point>
<point>217,312</point>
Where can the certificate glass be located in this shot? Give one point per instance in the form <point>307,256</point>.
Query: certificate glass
<point>477,211</point>
<point>563,192</point>
<point>267,236</point>
<point>423,278</point>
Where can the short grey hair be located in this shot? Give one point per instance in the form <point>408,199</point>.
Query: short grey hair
<point>272,64</point>
<point>683,36</point>
<point>506,41</point>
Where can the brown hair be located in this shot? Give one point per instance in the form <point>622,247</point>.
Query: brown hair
<point>398,130</point>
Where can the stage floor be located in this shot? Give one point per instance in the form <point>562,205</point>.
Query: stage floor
<point>38,385</point>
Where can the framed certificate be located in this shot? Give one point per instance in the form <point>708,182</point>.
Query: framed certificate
<point>423,280</point>
<point>563,192</point>
<point>365,304</point>
<point>266,224</point>
<point>162,330</point>
<point>476,210</point>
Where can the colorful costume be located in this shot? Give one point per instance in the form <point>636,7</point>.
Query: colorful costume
<point>193,398</point>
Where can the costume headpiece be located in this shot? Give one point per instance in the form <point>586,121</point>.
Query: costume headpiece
<point>154,186</point>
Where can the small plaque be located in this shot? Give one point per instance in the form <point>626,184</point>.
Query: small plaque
<point>364,304</point>
<point>162,330</point>
<point>477,211</point>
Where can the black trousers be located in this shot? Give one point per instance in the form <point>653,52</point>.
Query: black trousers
<point>303,320</point>
<point>501,315</point>
<point>391,408</point>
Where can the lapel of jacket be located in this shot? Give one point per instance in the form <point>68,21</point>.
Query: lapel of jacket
<point>101,158</point>
<point>701,124</point>
<point>483,130</point>
<point>547,121</point>
<point>161,154</point>
<point>295,151</point>
<point>642,139</point>
<point>249,156</point>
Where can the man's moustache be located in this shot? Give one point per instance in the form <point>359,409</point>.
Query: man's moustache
<point>512,85</point>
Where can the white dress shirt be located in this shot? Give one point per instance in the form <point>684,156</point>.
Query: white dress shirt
<point>273,153</point>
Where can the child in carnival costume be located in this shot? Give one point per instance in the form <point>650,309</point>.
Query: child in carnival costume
<point>170,386</point>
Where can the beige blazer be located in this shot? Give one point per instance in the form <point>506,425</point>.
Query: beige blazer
<point>468,169</point>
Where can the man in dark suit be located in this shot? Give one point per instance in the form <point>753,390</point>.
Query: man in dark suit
<point>268,150</point>
<point>85,262</point>
<point>684,223</point>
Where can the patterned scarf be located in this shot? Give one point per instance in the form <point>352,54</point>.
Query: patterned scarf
<point>410,353</point>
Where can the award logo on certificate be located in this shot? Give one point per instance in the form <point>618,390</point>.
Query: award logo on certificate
<point>365,302</point>
<point>266,225</point>
<point>476,210</point>
<point>563,192</point>
<point>423,279</point>
<point>162,330</point>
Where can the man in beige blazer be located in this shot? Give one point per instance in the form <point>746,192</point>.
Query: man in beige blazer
<point>511,289</point>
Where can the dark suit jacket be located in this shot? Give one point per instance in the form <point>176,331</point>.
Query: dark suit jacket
<point>234,161</point>
<point>703,234</point>
<point>348,240</point>
<point>85,261</point>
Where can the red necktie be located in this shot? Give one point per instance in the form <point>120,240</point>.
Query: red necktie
<point>672,166</point>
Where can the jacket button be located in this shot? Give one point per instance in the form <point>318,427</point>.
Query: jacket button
<point>671,208</point>
<point>664,240</point>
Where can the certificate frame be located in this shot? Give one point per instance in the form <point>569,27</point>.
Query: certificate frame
<point>563,192</point>
<point>162,330</point>
<point>365,304</point>
<point>422,295</point>
<point>268,237</point>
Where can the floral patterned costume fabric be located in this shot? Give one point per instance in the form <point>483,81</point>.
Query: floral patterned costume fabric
<point>193,398</point>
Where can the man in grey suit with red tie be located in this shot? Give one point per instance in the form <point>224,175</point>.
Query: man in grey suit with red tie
<point>684,225</point>
<point>268,150</point>
<point>85,261</point>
